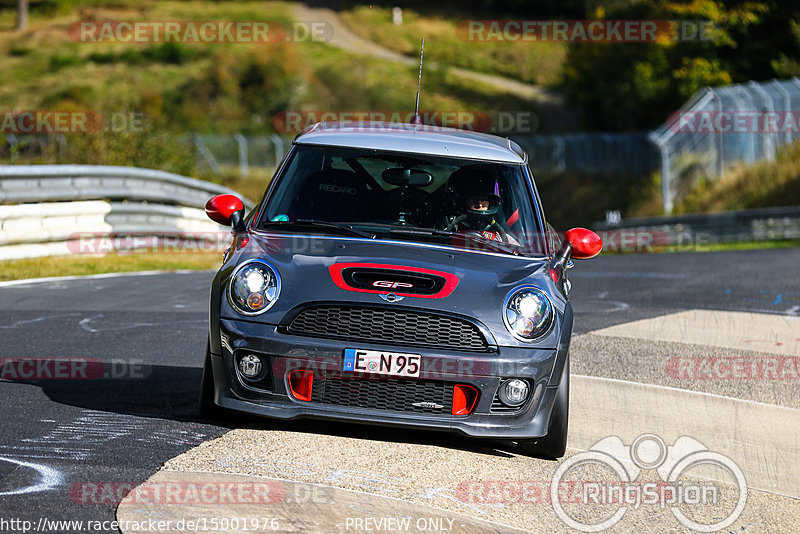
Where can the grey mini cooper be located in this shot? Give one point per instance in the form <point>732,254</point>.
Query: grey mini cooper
<point>401,275</point>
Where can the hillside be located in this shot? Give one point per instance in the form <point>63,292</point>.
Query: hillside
<point>186,87</point>
<point>764,184</point>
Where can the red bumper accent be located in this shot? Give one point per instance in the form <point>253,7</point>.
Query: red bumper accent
<point>465,397</point>
<point>301,382</point>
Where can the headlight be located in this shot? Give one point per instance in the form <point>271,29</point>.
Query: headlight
<point>253,288</point>
<point>528,313</point>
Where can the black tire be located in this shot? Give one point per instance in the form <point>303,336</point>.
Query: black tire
<point>554,444</point>
<point>205,404</point>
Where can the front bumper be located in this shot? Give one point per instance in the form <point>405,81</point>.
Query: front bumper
<point>541,367</point>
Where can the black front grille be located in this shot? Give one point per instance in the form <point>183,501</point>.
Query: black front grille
<point>381,325</point>
<point>397,395</point>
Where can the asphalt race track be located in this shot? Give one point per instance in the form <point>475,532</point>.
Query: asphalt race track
<point>147,335</point>
<point>115,429</point>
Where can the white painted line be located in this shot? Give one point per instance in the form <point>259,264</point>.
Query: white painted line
<point>49,478</point>
<point>671,388</point>
<point>26,281</point>
<point>328,512</point>
<point>775,334</point>
<point>763,439</point>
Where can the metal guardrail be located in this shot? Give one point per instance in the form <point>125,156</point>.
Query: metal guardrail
<point>763,224</point>
<point>48,209</point>
<point>46,183</point>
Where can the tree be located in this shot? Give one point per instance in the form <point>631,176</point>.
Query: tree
<point>636,85</point>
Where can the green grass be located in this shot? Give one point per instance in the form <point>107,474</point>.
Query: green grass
<point>206,88</point>
<point>112,263</point>
<point>745,186</point>
<point>532,62</point>
<point>764,184</point>
<point>205,85</point>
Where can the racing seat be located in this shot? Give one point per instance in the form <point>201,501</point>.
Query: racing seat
<point>334,195</point>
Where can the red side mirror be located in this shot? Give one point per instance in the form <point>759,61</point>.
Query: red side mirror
<point>585,243</point>
<point>221,208</point>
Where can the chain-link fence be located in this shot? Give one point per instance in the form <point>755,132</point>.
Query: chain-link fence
<point>599,153</point>
<point>714,129</point>
<point>239,153</point>
<point>721,126</point>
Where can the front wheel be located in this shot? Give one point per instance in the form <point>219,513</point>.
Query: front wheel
<point>554,444</point>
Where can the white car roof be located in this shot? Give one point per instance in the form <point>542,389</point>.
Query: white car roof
<point>419,139</point>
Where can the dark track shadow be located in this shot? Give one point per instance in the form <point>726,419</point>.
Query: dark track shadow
<point>160,391</point>
<point>168,392</point>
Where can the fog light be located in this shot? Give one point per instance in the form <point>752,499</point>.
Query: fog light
<point>250,366</point>
<point>514,392</point>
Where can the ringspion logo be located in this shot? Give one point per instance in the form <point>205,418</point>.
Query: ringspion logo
<point>678,489</point>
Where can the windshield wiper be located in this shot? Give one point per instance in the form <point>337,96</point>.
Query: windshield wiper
<point>344,229</point>
<point>507,248</point>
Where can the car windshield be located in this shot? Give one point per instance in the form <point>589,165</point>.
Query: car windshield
<point>413,197</point>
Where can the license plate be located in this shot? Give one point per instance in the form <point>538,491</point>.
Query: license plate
<point>382,363</point>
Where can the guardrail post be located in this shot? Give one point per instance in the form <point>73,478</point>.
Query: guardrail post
<point>277,143</point>
<point>206,153</point>
<point>244,168</point>
<point>561,162</point>
<point>666,178</point>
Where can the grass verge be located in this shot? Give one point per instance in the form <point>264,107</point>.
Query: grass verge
<point>149,261</point>
<point>112,263</point>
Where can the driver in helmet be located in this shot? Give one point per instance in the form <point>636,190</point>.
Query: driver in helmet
<point>475,199</point>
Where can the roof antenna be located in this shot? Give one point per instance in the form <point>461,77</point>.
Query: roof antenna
<point>416,119</point>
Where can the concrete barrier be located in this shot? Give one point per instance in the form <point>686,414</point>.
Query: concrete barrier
<point>49,208</point>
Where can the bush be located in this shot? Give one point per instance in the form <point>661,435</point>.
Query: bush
<point>59,61</point>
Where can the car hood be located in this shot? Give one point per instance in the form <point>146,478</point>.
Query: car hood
<point>307,265</point>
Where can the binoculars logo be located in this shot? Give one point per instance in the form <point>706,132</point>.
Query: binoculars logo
<point>680,487</point>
